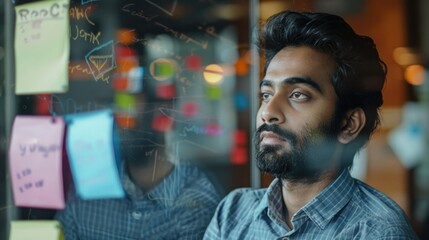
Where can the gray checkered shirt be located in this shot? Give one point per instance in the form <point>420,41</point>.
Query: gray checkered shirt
<point>180,207</point>
<point>346,209</point>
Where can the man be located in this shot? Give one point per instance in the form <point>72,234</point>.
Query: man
<point>319,105</point>
<point>165,199</point>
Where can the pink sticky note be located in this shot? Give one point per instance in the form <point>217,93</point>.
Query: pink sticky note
<point>193,62</point>
<point>35,162</point>
<point>239,155</point>
<point>189,109</point>
<point>240,137</point>
<point>213,129</point>
<point>165,91</point>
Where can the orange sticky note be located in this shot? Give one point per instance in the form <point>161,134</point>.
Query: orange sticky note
<point>125,36</point>
<point>125,120</point>
<point>120,83</point>
<point>241,67</point>
<point>125,64</point>
<point>35,160</point>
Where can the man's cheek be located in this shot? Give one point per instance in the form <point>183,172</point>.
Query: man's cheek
<point>258,121</point>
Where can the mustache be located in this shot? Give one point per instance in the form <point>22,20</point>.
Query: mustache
<point>286,134</point>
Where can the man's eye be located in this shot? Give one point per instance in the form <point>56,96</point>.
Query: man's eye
<point>265,96</point>
<point>298,96</point>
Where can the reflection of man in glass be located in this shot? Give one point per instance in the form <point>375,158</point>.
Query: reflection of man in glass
<point>319,105</point>
<point>164,198</point>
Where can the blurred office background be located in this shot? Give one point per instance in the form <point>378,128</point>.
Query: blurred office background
<point>200,55</point>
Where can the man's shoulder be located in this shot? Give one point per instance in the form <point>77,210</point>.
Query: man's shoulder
<point>246,194</point>
<point>379,214</point>
<point>242,202</point>
<point>194,179</point>
<point>376,203</point>
<point>196,186</point>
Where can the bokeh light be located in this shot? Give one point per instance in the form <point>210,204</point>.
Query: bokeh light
<point>415,74</point>
<point>213,74</point>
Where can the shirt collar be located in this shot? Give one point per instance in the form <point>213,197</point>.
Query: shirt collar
<point>331,200</point>
<point>320,210</point>
<point>272,203</point>
<point>263,203</point>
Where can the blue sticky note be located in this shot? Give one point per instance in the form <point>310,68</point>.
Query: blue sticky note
<point>91,149</point>
<point>241,101</point>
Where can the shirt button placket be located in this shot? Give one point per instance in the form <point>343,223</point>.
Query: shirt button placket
<point>136,214</point>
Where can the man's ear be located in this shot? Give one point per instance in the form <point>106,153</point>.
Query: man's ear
<point>351,125</point>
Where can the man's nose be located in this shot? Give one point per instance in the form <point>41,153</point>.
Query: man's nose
<point>272,111</point>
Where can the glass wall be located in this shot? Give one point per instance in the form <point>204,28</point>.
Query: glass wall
<point>175,82</point>
<point>175,79</point>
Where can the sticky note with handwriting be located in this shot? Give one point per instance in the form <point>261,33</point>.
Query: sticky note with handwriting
<point>91,151</point>
<point>42,47</point>
<point>35,161</point>
<point>35,229</point>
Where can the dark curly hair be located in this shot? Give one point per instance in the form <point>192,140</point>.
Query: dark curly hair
<point>359,74</point>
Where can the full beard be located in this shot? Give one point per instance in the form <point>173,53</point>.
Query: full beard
<point>305,161</point>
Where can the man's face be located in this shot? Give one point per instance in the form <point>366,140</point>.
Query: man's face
<point>138,145</point>
<point>296,135</point>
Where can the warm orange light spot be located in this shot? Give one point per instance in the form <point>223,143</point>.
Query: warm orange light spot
<point>125,36</point>
<point>406,56</point>
<point>415,74</point>
<point>241,67</point>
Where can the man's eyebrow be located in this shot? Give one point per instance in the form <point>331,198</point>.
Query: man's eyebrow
<point>294,80</point>
<point>265,82</point>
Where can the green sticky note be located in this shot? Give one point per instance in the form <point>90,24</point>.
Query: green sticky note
<point>125,100</point>
<point>42,47</point>
<point>164,69</point>
<point>213,92</point>
<point>35,229</point>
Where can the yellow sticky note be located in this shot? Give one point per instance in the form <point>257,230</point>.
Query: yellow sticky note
<point>35,230</point>
<point>42,47</point>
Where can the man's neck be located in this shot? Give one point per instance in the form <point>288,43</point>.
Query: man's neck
<point>298,194</point>
<point>151,174</point>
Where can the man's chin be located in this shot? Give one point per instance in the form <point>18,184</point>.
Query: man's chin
<point>285,168</point>
<point>271,162</point>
